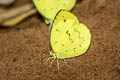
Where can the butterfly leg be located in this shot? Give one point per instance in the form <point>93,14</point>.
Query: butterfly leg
<point>66,63</point>
<point>58,64</point>
<point>48,59</point>
<point>52,61</point>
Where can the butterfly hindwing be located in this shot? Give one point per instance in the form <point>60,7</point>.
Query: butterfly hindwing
<point>69,38</point>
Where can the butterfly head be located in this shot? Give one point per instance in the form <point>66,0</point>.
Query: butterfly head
<point>52,53</point>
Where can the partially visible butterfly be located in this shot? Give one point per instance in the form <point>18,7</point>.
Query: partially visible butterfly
<point>49,8</point>
<point>69,38</point>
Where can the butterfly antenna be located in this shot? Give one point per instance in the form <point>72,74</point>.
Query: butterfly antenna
<point>58,64</point>
<point>66,63</point>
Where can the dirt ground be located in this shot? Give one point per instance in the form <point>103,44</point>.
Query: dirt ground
<point>25,48</point>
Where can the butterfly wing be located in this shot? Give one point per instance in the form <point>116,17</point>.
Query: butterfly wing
<point>69,38</point>
<point>49,8</point>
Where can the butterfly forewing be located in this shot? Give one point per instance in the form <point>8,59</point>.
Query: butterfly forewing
<point>49,8</point>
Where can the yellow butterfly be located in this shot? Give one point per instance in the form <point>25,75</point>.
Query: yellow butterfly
<point>49,8</point>
<point>69,38</point>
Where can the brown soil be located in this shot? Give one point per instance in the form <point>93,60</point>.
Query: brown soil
<point>25,48</point>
